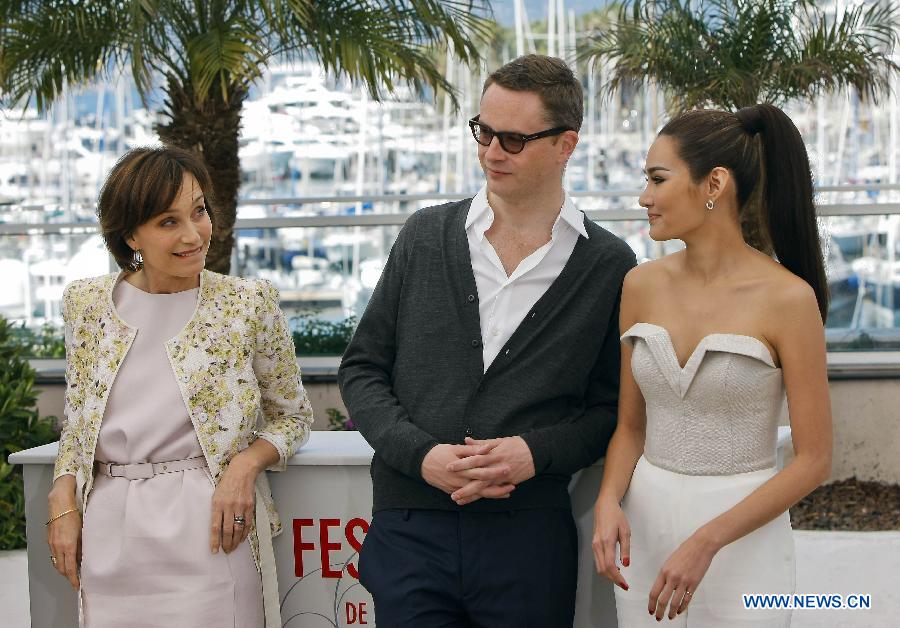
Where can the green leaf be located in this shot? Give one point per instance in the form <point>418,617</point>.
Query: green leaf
<point>21,427</point>
<point>734,53</point>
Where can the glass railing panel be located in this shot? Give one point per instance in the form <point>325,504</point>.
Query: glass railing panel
<point>323,272</point>
<point>862,261</point>
<point>327,267</point>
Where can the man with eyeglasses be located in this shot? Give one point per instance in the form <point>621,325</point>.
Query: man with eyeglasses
<point>484,373</point>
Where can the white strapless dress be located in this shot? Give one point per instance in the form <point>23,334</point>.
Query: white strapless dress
<point>711,433</point>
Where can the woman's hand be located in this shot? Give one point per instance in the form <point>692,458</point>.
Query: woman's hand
<point>64,533</point>
<point>234,497</point>
<point>680,575</point>
<point>610,529</point>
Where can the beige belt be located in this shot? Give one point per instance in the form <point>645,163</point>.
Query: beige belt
<point>147,470</point>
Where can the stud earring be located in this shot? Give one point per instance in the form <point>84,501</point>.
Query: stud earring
<point>709,205</point>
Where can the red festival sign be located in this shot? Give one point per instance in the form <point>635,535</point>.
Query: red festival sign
<point>325,543</point>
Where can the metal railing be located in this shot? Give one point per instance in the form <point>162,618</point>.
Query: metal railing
<point>394,210</point>
<point>393,218</point>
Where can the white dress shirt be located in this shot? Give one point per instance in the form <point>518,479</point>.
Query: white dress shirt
<point>503,301</point>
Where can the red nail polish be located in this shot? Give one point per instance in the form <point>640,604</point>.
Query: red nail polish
<point>626,562</point>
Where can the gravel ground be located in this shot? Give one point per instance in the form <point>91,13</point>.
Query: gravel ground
<point>849,505</point>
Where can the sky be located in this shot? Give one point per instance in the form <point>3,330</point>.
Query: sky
<point>537,9</point>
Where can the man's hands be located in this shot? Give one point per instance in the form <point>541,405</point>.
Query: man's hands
<point>480,468</point>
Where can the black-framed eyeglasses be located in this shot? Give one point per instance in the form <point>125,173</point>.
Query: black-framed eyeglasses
<point>511,142</point>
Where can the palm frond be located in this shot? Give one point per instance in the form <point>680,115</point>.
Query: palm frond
<point>209,51</point>
<point>380,42</point>
<point>855,51</point>
<point>733,53</point>
<point>46,45</point>
<point>228,50</point>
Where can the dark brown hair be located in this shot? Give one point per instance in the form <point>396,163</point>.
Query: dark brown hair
<point>141,185</point>
<point>766,155</point>
<point>552,80</point>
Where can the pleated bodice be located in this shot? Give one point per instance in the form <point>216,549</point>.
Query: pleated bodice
<point>717,415</point>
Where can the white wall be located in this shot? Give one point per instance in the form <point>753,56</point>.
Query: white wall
<point>866,416</point>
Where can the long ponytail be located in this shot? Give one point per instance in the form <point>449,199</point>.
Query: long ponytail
<point>788,209</point>
<point>764,151</point>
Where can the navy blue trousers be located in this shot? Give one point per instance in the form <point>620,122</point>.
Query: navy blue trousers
<point>439,569</point>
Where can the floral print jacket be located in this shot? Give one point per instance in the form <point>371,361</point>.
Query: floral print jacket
<point>234,363</point>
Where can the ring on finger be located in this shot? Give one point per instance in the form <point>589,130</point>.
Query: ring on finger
<point>53,559</point>
<point>239,520</point>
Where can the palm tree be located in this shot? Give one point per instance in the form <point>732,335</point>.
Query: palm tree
<point>736,53</point>
<point>207,54</point>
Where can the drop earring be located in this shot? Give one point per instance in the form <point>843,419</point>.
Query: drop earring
<point>138,261</point>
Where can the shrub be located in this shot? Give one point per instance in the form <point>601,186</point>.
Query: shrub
<point>338,421</point>
<point>21,427</point>
<point>47,342</point>
<point>314,336</point>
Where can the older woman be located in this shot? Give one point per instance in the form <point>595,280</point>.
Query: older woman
<point>182,389</point>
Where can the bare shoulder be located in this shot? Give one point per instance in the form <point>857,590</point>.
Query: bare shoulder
<point>791,291</point>
<point>785,291</point>
<point>791,306</point>
<point>649,275</point>
<point>642,283</point>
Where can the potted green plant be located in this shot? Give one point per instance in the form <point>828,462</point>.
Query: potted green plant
<point>22,427</point>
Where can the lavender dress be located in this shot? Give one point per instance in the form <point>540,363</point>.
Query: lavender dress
<point>146,561</point>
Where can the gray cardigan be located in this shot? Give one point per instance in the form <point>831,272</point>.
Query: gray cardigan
<point>412,376</point>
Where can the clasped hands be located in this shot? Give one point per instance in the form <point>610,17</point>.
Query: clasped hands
<point>479,468</point>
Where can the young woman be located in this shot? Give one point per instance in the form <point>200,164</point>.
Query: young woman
<point>715,335</point>
<point>168,368</point>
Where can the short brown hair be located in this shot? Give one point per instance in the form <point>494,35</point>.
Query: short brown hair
<point>552,80</point>
<point>141,185</point>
